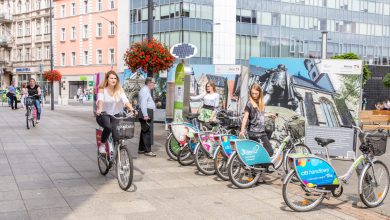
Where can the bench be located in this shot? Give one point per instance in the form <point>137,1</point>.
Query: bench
<point>371,120</point>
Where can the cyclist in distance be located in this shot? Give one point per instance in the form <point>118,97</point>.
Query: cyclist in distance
<point>34,90</point>
<point>111,100</point>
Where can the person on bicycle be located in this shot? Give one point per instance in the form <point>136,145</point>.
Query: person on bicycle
<point>34,90</point>
<point>255,115</point>
<point>111,100</point>
<point>210,100</point>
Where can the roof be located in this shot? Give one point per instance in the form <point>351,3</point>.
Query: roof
<point>256,70</point>
<point>218,80</point>
<point>303,82</point>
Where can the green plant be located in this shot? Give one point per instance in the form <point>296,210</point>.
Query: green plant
<point>386,80</point>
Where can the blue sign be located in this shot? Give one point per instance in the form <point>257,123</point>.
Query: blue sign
<point>22,70</point>
<point>315,171</point>
<point>252,153</point>
<point>225,142</point>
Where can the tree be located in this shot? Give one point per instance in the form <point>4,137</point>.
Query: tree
<point>352,56</point>
<point>386,80</point>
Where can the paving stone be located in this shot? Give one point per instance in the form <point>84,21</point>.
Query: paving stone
<point>10,195</point>
<point>40,193</point>
<point>12,206</point>
<point>43,203</point>
<point>18,215</point>
<point>77,190</point>
<point>52,214</point>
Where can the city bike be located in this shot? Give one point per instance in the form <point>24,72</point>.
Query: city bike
<point>118,154</point>
<point>313,178</point>
<point>31,111</point>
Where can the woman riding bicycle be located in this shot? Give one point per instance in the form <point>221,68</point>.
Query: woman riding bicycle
<point>210,100</point>
<point>34,90</point>
<point>111,100</point>
<point>254,113</point>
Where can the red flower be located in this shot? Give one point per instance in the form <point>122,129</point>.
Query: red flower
<point>54,75</point>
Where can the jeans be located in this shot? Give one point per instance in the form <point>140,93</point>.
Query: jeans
<point>14,100</point>
<point>262,138</point>
<point>108,123</point>
<point>37,105</point>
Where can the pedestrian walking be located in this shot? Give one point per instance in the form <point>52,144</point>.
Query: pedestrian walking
<point>147,107</point>
<point>12,96</point>
<point>79,91</point>
<point>364,104</point>
<point>24,95</point>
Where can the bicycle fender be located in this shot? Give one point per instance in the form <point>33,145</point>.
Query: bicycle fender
<point>285,179</point>
<point>196,148</point>
<point>231,157</point>
<point>216,151</point>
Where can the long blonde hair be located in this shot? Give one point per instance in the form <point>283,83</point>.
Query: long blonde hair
<point>117,88</point>
<point>259,104</point>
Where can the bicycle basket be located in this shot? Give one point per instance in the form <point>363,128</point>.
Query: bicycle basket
<point>29,101</point>
<point>269,125</point>
<point>377,142</point>
<point>297,128</point>
<point>125,129</point>
<point>231,119</point>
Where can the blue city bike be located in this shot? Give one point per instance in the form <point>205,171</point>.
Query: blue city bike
<point>313,178</point>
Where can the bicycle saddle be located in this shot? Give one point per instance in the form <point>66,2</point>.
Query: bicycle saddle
<point>323,141</point>
<point>191,116</point>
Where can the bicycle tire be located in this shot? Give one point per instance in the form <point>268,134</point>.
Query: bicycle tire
<point>103,164</point>
<point>200,151</point>
<point>185,157</point>
<point>291,204</point>
<point>124,151</point>
<point>220,165</point>
<point>233,174</point>
<point>28,118</point>
<point>169,147</point>
<point>290,151</point>
<point>366,177</point>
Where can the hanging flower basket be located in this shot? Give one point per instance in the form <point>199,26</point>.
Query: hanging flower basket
<point>150,56</point>
<point>54,75</point>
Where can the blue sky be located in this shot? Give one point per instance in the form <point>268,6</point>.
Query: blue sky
<point>294,65</point>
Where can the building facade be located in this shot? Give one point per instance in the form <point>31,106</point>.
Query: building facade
<point>6,44</point>
<point>29,37</point>
<point>85,42</point>
<point>231,31</point>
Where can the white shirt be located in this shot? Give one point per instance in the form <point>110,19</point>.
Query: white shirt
<point>211,99</point>
<point>112,105</point>
<point>146,100</point>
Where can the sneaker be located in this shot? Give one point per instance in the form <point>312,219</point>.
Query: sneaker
<point>38,121</point>
<point>150,154</point>
<point>102,149</point>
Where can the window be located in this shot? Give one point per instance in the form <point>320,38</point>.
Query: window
<point>27,6</point>
<point>19,54</point>
<point>28,28</point>
<point>47,52</point>
<point>20,29</point>
<point>85,32</point>
<point>73,61</point>
<point>85,57</point>
<point>38,27</point>
<point>39,53</point>
<point>112,4</point>
<point>19,7</point>
<point>99,6</point>
<point>62,36</point>
<point>85,7</point>
<point>73,36</point>
<point>112,28</point>
<point>98,29</point>
<point>73,9</point>
<point>27,57</point>
<point>62,12</point>
<point>135,15</point>
<point>62,59</point>
<point>329,113</point>
<point>47,27</point>
<point>99,57</point>
<point>164,11</point>
<point>37,4</point>
<point>112,56</point>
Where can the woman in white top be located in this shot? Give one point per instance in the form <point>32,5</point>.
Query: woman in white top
<point>111,100</point>
<point>24,94</point>
<point>210,100</point>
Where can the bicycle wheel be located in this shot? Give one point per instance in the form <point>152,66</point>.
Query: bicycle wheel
<point>299,148</point>
<point>220,165</point>
<point>275,145</point>
<point>28,118</point>
<point>103,163</point>
<point>240,176</point>
<point>185,156</point>
<point>297,196</point>
<point>124,168</point>
<point>172,147</point>
<point>204,162</point>
<point>374,184</point>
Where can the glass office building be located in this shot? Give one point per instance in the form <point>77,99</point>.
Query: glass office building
<point>272,28</point>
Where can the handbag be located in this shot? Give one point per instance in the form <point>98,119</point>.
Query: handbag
<point>9,94</point>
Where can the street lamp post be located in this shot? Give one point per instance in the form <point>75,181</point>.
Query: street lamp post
<point>51,57</point>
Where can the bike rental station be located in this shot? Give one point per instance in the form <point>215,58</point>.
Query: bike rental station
<point>317,103</point>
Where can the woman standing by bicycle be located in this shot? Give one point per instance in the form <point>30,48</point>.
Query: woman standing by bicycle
<point>210,100</point>
<point>34,90</point>
<point>111,100</point>
<point>255,115</point>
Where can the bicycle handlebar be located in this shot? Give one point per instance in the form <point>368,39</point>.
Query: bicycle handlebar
<point>128,115</point>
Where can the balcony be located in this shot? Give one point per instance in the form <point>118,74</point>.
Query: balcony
<point>6,41</point>
<point>5,17</point>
